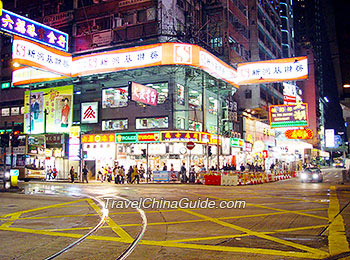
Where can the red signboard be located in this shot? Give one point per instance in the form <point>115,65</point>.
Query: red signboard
<point>143,94</point>
<point>289,99</point>
<point>190,145</point>
<point>102,138</point>
<point>205,138</point>
<point>148,137</point>
<point>299,134</point>
<point>180,136</point>
<point>265,154</point>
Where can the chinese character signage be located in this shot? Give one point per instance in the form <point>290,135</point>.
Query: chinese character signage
<point>143,94</point>
<point>96,138</point>
<point>288,115</point>
<point>237,142</point>
<point>32,30</point>
<point>56,102</point>
<point>205,138</point>
<point>89,112</point>
<point>39,56</point>
<point>53,139</point>
<point>180,136</point>
<point>74,143</point>
<point>295,68</point>
<point>299,134</point>
<point>248,147</point>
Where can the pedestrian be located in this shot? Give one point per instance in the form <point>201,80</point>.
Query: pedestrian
<point>129,175</point>
<point>115,174</point>
<point>183,173</point>
<point>135,176</point>
<point>172,167</point>
<point>100,176</point>
<point>165,168</point>
<point>109,174</point>
<point>48,173</point>
<point>142,172</point>
<point>192,175</point>
<point>54,172</point>
<point>71,172</point>
<point>242,167</point>
<point>85,172</point>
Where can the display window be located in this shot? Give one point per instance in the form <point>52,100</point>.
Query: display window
<point>119,124</point>
<point>115,97</point>
<point>152,122</point>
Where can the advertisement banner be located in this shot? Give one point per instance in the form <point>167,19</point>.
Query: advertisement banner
<point>289,115</point>
<point>295,68</point>
<point>142,94</point>
<point>39,56</point>
<point>32,30</point>
<point>56,102</point>
<point>27,75</point>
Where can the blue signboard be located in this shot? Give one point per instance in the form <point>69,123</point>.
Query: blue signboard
<point>32,30</point>
<point>338,141</point>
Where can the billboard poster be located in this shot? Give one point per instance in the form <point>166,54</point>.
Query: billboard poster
<point>143,94</point>
<point>56,102</point>
<point>89,112</point>
<point>115,97</point>
<point>288,115</point>
<point>330,140</point>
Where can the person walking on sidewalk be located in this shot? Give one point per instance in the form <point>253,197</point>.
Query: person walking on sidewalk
<point>85,172</point>
<point>71,172</point>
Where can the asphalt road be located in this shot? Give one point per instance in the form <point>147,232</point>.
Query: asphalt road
<point>280,220</point>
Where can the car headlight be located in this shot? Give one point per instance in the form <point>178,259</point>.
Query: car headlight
<point>303,176</point>
<point>315,176</point>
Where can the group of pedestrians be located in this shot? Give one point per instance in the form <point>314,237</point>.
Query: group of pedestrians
<point>51,173</point>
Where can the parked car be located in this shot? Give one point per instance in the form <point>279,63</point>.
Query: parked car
<point>311,174</point>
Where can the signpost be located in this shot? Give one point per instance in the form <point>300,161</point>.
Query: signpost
<point>190,145</point>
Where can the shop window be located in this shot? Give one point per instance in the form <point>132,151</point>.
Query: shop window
<point>195,126</point>
<point>152,123</point>
<point>195,98</point>
<point>118,124</point>
<point>84,28</point>
<point>115,97</point>
<point>180,94</point>
<point>213,106</point>
<point>129,19</point>
<point>180,123</point>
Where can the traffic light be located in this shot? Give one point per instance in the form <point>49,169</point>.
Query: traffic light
<point>209,151</point>
<point>144,153</point>
<point>5,138</point>
<point>14,139</point>
<point>84,154</point>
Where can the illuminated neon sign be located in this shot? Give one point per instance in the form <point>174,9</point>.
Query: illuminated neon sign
<point>32,30</point>
<point>142,94</point>
<point>142,137</point>
<point>299,134</point>
<point>236,142</point>
<point>180,136</point>
<point>103,138</point>
<point>288,115</point>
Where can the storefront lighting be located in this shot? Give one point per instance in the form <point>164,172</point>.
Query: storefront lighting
<point>164,90</point>
<point>346,86</point>
<point>193,91</point>
<point>77,93</point>
<point>16,64</point>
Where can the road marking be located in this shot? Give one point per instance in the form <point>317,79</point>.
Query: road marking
<point>320,253</point>
<point>172,244</point>
<point>45,207</point>
<point>337,241</point>
<point>11,220</point>
<point>116,228</point>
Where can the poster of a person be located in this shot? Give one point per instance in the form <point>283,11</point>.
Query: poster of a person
<point>65,112</point>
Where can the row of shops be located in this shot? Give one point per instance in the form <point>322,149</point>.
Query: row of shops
<point>260,146</point>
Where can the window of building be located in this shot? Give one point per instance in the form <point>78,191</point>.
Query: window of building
<point>195,98</point>
<point>103,23</point>
<point>162,91</point>
<point>262,94</point>
<point>152,122</point>
<point>141,16</point>
<point>195,126</point>
<point>118,124</point>
<point>213,106</point>
<point>151,14</point>
<point>5,112</point>
<point>115,97</point>
<point>248,94</point>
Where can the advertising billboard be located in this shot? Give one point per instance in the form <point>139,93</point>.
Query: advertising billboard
<point>295,68</point>
<point>32,30</point>
<point>56,102</point>
<point>89,112</point>
<point>142,94</point>
<point>330,140</point>
<point>115,97</point>
<point>288,115</point>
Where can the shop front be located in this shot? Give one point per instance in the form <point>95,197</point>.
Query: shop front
<point>157,150</point>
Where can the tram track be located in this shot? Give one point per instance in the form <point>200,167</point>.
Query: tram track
<point>103,218</point>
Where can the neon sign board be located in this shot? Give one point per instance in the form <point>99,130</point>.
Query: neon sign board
<point>299,134</point>
<point>180,136</point>
<point>32,30</point>
<point>142,137</point>
<point>289,115</point>
<point>102,138</point>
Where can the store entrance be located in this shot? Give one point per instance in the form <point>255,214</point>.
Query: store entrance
<point>91,167</point>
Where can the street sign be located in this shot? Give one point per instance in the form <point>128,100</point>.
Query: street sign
<point>190,145</point>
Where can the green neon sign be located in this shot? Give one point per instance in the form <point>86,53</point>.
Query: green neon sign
<point>125,138</point>
<point>5,85</point>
